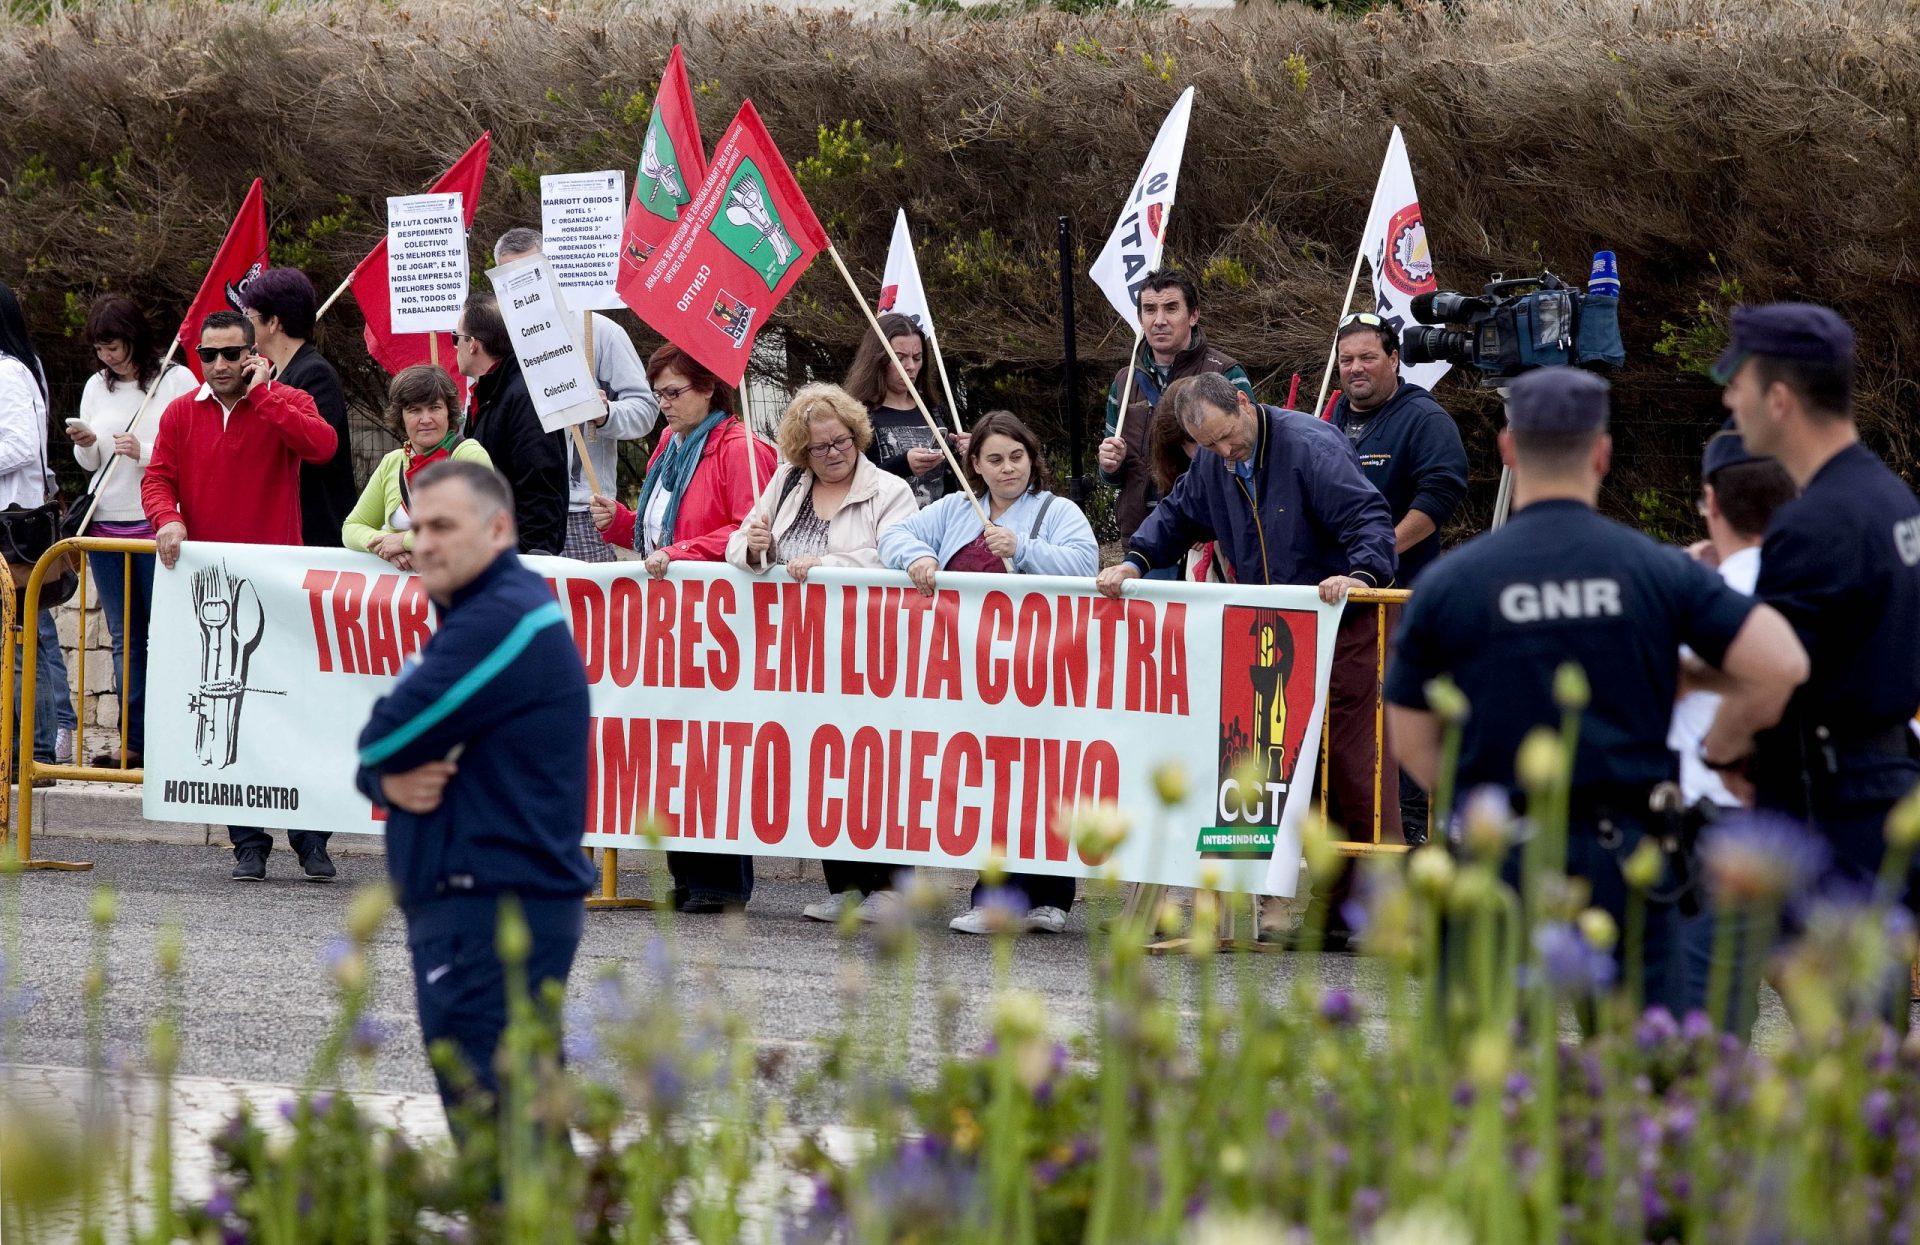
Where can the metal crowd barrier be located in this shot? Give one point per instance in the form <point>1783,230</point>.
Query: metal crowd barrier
<point>1375,839</point>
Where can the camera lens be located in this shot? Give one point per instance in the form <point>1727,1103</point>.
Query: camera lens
<point>1431,344</point>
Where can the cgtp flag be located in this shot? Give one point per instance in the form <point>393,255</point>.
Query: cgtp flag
<point>900,288</point>
<point>740,245</point>
<point>1133,250</point>
<point>242,257</point>
<point>673,163</point>
<point>1396,248</point>
<point>395,351</point>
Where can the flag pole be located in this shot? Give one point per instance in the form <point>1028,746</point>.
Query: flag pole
<point>933,426</point>
<point>113,459</point>
<point>1333,353</point>
<point>940,365</point>
<point>1126,389</point>
<point>579,438</point>
<point>335,296</point>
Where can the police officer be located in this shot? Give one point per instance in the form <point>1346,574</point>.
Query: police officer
<point>1560,584</point>
<point>479,754</point>
<point>1842,563</point>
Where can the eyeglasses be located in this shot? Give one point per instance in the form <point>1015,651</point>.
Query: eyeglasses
<point>232,354</point>
<point>462,337</point>
<point>839,445</point>
<point>672,392</point>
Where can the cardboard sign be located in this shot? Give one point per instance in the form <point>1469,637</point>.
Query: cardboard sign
<point>582,216</point>
<point>545,340</point>
<point>426,262</point>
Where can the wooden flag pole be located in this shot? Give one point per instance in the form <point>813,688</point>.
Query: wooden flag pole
<point>113,458</point>
<point>1333,354</point>
<point>940,365</point>
<point>579,438</point>
<point>933,426</point>
<point>335,296</point>
<point>433,349</point>
<point>1126,389</point>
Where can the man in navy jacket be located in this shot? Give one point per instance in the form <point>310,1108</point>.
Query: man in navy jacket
<point>1282,496</point>
<point>479,755</point>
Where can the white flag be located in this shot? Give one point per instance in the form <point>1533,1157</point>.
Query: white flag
<point>1396,247</point>
<point>900,288</point>
<point>1134,249</point>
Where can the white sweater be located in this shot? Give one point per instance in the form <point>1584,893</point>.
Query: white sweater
<point>107,412</point>
<point>23,436</point>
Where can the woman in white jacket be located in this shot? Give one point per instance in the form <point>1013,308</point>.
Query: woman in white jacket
<point>826,506</point>
<point>131,382</point>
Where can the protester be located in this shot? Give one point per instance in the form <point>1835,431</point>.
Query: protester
<point>1038,534</point>
<point>119,417</point>
<point>902,442</point>
<point>698,488</point>
<point>422,402</point>
<point>631,411</point>
<point>226,467</point>
<point>1842,562</point>
<point>1170,452</point>
<point>1177,346</point>
<point>1561,585</point>
<point>472,828</point>
<point>1282,496</point>
<point>533,460</point>
<point>826,507</point>
<point>281,304</point>
<point>1411,451</point>
<point>25,481</point>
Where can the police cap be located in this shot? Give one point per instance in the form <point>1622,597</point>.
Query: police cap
<point>1726,449</point>
<point>1804,331</point>
<point>1557,402</point>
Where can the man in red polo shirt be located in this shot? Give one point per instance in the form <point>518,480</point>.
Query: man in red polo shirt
<point>227,462</point>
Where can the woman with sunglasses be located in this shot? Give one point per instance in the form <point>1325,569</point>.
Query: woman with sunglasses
<point>826,507</point>
<point>697,489</point>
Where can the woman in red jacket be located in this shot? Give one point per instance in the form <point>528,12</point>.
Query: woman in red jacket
<point>697,490</point>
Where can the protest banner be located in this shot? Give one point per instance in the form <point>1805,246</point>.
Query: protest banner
<point>396,351</point>
<point>242,257</point>
<point>848,717</point>
<point>673,162</point>
<point>541,329</point>
<point>581,218</point>
<point>739,246</point>
<point>1134,248</point>
<point>426,262</point>
<point>902,293</point>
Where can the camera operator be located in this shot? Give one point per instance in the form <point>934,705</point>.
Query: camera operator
<point>1410,450</point>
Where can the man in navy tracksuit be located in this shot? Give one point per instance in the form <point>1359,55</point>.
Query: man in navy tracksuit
<point>1282,496</point>
<point>480,756</point>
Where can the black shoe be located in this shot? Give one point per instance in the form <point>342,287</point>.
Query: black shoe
<point>703,903</point>
<point>250,867</point>
<point>318,866</point>
<point>111,760</point>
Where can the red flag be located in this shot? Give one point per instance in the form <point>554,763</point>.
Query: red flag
<point>673,163</point>
<point>394,351</point>
<point>741,244</point>
<point>242,257</point>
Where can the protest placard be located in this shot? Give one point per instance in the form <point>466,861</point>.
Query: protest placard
<point>847,717</point>
<point>582,216</point>
<point>546,341</point>
<point>426,261</point>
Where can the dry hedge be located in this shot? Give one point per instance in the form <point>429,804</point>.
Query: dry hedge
<point>1776,138</point>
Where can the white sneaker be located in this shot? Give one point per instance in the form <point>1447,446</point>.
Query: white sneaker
<point>977,921</point>
<point>877,907</point>
<point>828,909</point>
<point>1046,919</point>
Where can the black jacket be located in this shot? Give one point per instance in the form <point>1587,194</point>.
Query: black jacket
<point>533,460</point>
<point>327,490</point>
<point>1411,452</point>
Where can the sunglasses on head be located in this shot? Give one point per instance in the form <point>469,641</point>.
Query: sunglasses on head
<point>232,354</point>
<point>1364,317</point>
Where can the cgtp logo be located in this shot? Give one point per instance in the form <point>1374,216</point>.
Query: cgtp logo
<point>1407,264</point>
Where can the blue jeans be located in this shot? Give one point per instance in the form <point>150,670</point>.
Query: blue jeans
<point>53,700</point>
<point>110,573</point>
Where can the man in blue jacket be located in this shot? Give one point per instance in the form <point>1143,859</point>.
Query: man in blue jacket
<point>479,755</point>
<point>1282,496</point>
<point>1410,448</point>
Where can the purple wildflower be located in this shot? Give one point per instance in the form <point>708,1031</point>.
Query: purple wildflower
<point>1761,858</point>
<point>1657,1027</point>
<point>369,1035</point>
<point>1570,964</point>
<point>220,1203</point>
<point>1697,1027</point>
<point>1876,1110</point>
<point>1339,1008</point>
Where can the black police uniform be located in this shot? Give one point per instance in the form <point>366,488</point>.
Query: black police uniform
<point>1842,563</point>
<point>1559,583</point>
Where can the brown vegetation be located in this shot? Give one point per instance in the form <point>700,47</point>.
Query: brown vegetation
<point>1778,137</point>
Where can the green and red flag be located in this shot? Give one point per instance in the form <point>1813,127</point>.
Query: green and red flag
<point>740,245</point>
<point>673,163</point>
<point>242,257</point>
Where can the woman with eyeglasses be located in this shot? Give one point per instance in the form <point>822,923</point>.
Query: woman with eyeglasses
<point>119,418</point>
<point>697,490</point>
<point>826,507</point>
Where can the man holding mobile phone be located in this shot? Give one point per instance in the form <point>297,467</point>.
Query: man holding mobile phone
<point>226,467</point>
